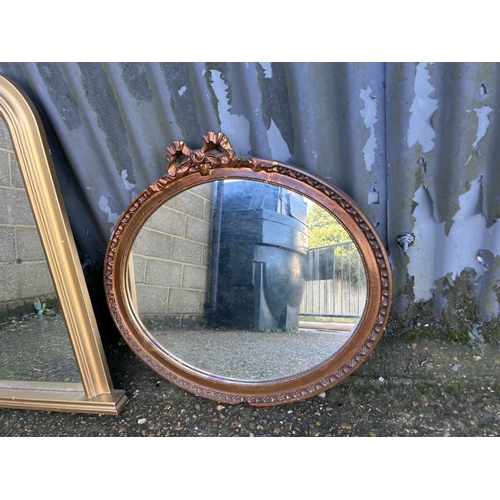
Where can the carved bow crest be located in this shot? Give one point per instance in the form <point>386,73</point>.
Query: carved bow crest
<point>216,151</point>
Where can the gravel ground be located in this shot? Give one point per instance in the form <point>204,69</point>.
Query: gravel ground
<point>421,388</point>
<point>268,355</point>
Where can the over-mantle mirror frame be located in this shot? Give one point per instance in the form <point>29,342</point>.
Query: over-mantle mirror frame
<point>216,160</point>
<point>95,393</point>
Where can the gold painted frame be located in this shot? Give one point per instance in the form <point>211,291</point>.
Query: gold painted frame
<point>95,394</point>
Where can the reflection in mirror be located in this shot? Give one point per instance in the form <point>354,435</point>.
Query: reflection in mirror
<point>246,280</point>
<point>34,342</point>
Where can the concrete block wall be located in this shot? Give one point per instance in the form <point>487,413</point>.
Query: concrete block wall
<point>24,274</point>
<point>171,259</point>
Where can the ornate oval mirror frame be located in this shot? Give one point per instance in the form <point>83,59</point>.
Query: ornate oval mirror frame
<point>216,160</point>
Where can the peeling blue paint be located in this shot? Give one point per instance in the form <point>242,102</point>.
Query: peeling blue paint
<point>234,126</point>
<point>483,123</point>
<point>422,108</point>
<point>279,148</point>
<point>268,69</point>
<point>448,255</point>
<point>373,197</point>
<point>127,184</point>
<point>428,234</point>
<point>104,206</point>
<point>370,128</point>
<point>369,114</point>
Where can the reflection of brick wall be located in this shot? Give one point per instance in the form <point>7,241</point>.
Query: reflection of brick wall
<point>172,254</point>
<point>24,274</point>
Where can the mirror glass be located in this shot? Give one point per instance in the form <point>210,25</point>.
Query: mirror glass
<point>34,342</point>
<point>245,280</point>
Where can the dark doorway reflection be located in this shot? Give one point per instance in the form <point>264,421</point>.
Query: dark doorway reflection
<point>261,256</point>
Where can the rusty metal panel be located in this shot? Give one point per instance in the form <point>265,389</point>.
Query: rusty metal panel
<point>413,143</point>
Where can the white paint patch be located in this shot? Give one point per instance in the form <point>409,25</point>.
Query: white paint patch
<point>423,107</point>
<point>182,90</point>
<point>268,69</point>
<point>127,184</point>
<point>433,254</point>
<point>235,127</point>
<point>369,114</point>
<point>104,206</point>
<point>483,123</point>
<point>373,197</point>
<point>279,148</point>
<point>423,248</point>
<point>470,202</point>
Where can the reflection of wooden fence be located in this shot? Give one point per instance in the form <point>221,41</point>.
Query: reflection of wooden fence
<point>336,282</point>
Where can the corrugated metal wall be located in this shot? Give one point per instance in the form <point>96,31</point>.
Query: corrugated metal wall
<point>413,143</point>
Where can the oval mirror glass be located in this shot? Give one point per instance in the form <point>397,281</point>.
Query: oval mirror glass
<point>246,280</point>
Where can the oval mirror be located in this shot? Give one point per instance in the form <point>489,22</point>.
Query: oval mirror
<point>241,279</point>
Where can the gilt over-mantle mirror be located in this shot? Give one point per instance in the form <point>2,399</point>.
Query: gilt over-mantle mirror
<point>51,352</point>
<point>246,280</point>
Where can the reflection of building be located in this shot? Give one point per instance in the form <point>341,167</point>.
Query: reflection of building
<point>235,254</point>
<point>235,250</point>
<point>171,256</point>
<point>25,275</point>
<point>260,256</point>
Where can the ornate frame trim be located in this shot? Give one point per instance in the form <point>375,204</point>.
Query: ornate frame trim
<point>95,394</point>
<point>216,160</point>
